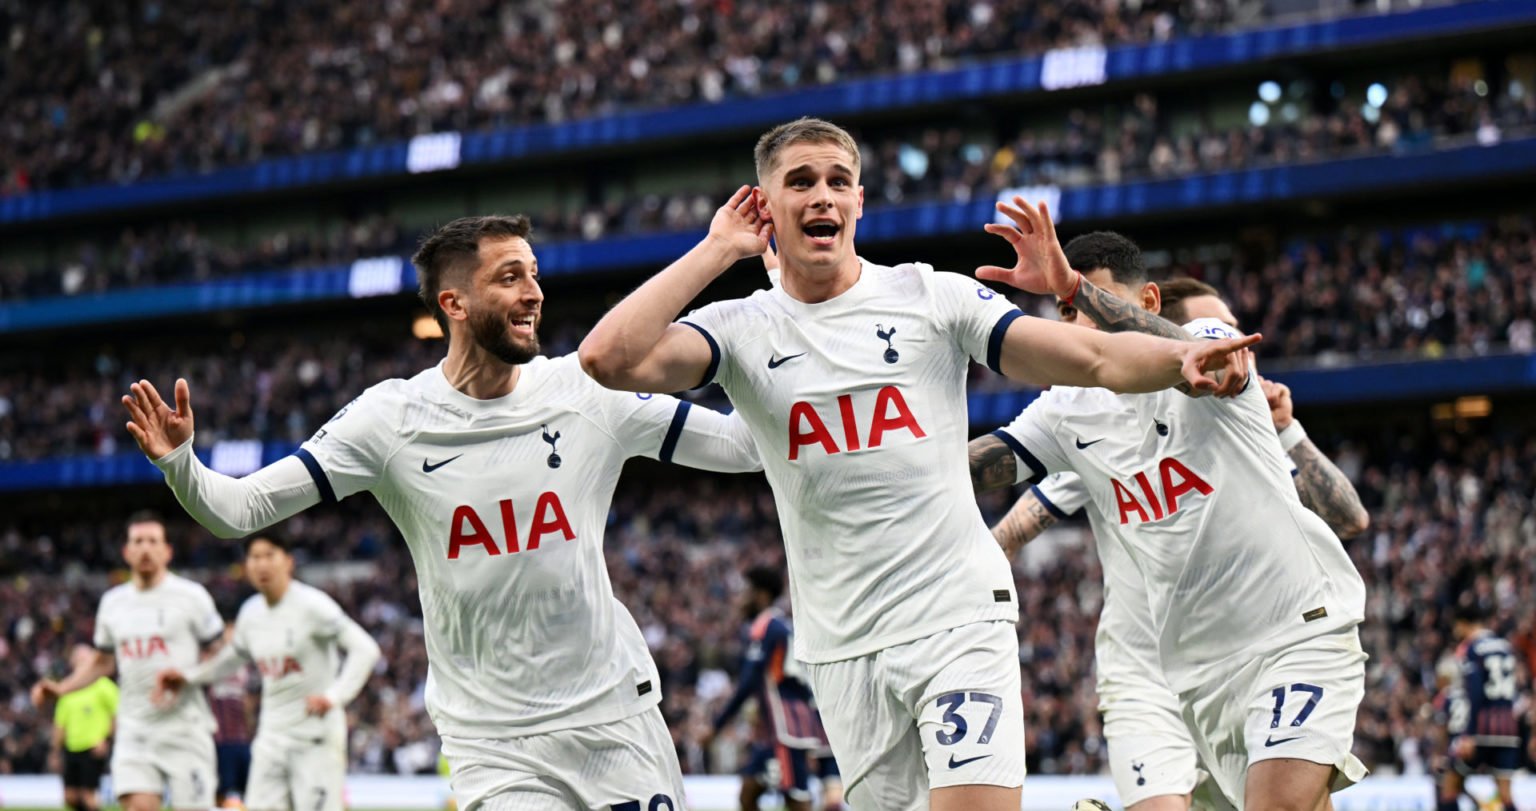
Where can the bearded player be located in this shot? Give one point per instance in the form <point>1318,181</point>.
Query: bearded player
<point>498,467</point>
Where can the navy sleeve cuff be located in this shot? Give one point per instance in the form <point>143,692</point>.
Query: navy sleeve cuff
<point>1037,470</point>
<point>995,341</point>
<point>327,495</point>
<point>714,355</point>
<point>675,430</point>
<point>1046,503</point>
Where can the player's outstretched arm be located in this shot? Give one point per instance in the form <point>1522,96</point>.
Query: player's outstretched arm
<point>716,442</point>
<point>102,664</point>
<point>1048,353</point>
<point>225,506</point>
<point>1323,488</point>
<point>1026,519</point>
<point>636,346</point>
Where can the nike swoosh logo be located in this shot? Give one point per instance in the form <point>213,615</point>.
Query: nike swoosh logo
<point>1270,741</point>
<point>1081,444</point>
<point>428,468</point>
<point>774,363</point>
<point>955,764</point>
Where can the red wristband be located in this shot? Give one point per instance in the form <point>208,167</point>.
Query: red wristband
<point>1076,287</point>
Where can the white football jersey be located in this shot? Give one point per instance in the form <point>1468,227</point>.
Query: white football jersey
<point>150,630</point>
<point>296,645</point>
<point>1201,495</point>
<point>858,406</point>
<point>1125,646</point>
<point>503,504</point>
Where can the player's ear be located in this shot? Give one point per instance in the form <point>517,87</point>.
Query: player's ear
<point>762,204</point>
<point>452,304</point>
<point>858,213</point>
<point>1151,298</point>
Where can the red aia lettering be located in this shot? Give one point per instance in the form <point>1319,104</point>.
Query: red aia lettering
<point>275,668</point>
<point>143,647</point>
<point>1176,480</point>
<point>891,413</point>
<point>466,528</point>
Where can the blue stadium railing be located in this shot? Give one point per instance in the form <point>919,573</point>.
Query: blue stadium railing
<point>1370,383</point>
<point>982,80</point>
<point>388,275</point>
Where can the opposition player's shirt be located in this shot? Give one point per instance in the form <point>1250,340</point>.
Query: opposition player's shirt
<point>1482,702</point>
<point>86,715</point>
<point>150,630</point>
<point>786,714</point>
<point>296,646</point>
<point>503,504</point>
<point>227,699</point>
<point>1201,494</point>
<point>1126,663</point>
<point>858,407</point>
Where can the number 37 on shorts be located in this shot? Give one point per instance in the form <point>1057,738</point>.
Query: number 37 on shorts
<point>967,739</point>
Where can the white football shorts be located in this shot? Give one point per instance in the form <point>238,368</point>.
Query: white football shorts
<point>626,765</point>
<point>1299,702</point>
<point>298,774</point>
<point>944,710</point>
<point>177,760</point>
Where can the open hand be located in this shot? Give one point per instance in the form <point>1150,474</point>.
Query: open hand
<point>44,691</point>
<point>740,227</point>
<point>1204,356</point>
<point>1280,405</point>
<point>157,428</point>
<point>168,683</point>
<point>1042,267</point>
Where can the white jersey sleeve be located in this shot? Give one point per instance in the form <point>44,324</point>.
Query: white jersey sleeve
<point>332,626</point>
<point>348,454</point>
<point>1062,494</point>
<point>662,427</point>
<point>715,322</point>
<point>976,315</point>
<point>1035,438</point>
<point>207,625</point>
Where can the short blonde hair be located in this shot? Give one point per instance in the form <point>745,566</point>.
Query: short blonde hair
<point>800,131</point>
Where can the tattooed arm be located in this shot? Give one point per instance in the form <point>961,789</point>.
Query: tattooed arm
<point>993,464</point>
<point>1323,488</point>
<point>1114,314</point>
<point>1023,523</point>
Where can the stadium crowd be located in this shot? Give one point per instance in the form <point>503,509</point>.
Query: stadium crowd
<point>1429,292</point>
<point>1138,139</point>
<point>116,93</point>
<point>1452,513</point>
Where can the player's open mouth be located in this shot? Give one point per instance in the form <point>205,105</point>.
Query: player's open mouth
<point>524,325</point>
<point>822,232</point>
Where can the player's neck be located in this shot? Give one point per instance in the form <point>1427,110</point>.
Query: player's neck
<point>275,594</point>
<point>147,582</point>
<point>817,286</point>
<point>477,373</point>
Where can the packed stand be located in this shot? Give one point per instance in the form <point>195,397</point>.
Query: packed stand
<point>1427,292</point>
<point>1451,516</point>
<point>1137,140</point>
<point>119,92</point>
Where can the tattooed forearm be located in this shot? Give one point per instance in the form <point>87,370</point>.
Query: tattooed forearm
<point>1113,314</point>
<point>1325,490</point>
<point>992,463</point>
<point>1022,524</point>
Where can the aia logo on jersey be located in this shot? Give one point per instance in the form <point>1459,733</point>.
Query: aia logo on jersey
<point>143,647</point>
<point>890,414</point>
<point>278,667</point>
<point>1151,502</point>
<point>468,529</point>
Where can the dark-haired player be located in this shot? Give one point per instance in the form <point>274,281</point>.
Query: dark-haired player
<point>154,621</point>
<point>498,466</point>
<point>295,635</point>
<point>789,740</point>
<point>1480,710</point>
